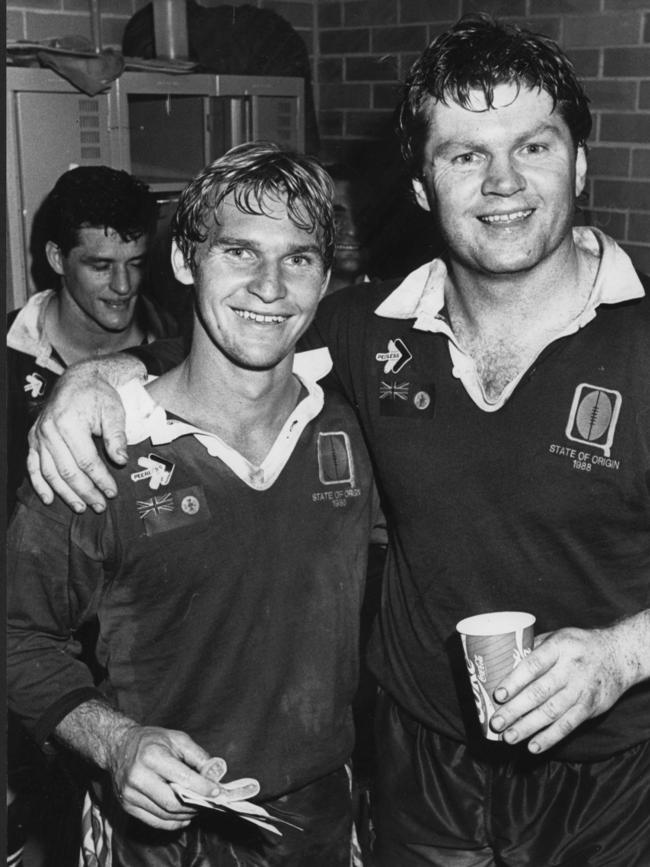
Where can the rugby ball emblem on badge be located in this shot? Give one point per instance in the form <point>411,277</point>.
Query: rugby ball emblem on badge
<point>593,415</point>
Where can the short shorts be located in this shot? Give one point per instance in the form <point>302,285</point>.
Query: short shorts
<point>434,803</point>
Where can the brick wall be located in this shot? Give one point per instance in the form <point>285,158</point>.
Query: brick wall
<point>362,49</point>
<point>365,48</point>
<point>44,19</point>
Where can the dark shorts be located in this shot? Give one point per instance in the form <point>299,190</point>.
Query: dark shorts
<point>434,803</point>
<point>323,810</point>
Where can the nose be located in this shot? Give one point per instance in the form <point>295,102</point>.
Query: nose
<point>120,280</point>
<point>502,177</point>
<point>267,283</point>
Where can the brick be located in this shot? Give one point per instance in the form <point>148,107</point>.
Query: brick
<point>613,223</point>
<point>383,11</point>
<point>610,162</point>
<point>626,62</point>
<point>566,7</point>
<point>330,123</point>
<point>621,29</point>
<point>356,41</point>
<point>585,60</point>
<point>546,26</point>
<point>613,5</point>
<point>609,95</point>
<point>644,95</point>
<point>373,124</point>
<point>399,38</point>
<point>27,5</point>
<point>47,26</point>
<point>357,13</point>
<point>640,256</point>
<point>345,96</point>
<point>117,7</point>
<point>330,69</point>
<point>298,14</point>
<point>641,164</point>
<point>500,8</point>
<point>14,24</point>
<point>379,68</point>
<point>412,11</point>
<point>386,96</point>
<point>634,195</point>
<point>639,227</point>
<point>625,127</point>
<point>329,14</point>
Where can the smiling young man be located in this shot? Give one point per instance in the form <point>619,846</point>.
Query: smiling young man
<point>98,223</point>
<point>227,576</point>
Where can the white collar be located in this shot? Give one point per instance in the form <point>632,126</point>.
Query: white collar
<point>145,419</point>
<point>421,296</point>
<point>27,331</point>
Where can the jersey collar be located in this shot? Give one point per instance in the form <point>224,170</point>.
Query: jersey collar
<point>145,419</point>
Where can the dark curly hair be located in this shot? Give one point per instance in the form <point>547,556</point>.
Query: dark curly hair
<point>251,172</point>
<point>97,197</point>
<point>480,53</point>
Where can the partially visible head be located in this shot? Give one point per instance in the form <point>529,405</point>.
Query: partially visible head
<point>97,197</point>
<point>350,254</point>
<point>478,53</point>
<point>254,174</point>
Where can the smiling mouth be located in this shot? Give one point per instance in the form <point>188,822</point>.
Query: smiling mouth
<point>117,305</point>
<point>506,219</point>
<point>261,317</point>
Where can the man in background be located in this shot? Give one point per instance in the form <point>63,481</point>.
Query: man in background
<point>97,223</point>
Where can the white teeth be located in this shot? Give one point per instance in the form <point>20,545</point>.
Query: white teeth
<point>259,317</point>
<point>506,218</point>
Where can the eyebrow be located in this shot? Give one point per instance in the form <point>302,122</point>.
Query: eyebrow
<point>228,241</point>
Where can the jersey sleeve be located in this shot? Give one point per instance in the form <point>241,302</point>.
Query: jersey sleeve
<point>54,583</point>
<point>161,355</point>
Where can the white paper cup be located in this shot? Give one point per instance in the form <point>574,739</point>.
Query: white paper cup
<point>494,644</point>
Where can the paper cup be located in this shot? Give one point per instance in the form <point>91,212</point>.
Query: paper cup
<point>493,644</point>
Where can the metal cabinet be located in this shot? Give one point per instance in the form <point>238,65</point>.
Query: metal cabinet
<point>160,127</point>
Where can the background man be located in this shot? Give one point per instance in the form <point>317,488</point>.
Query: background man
<point>97,223</point>
<point>227,575</point>
<point>503,391</point>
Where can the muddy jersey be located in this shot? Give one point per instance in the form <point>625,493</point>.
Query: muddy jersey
<point>540,503</point>
<point>228,595</point>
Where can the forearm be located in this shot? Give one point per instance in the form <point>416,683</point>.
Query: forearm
<point>112,369</point>
<point>94,730</point>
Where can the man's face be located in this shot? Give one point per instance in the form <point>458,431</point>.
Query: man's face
<point>100,277</point>
<point>349,255</point>
<point>501,181</point>
<point>258,281</point>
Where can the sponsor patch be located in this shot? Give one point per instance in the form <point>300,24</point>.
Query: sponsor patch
<point>158,470</point>
<point>169,511</point>
<point>34,385</point>
<point>397,357</point>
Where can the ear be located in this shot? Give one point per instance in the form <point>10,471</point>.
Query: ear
<point>420,194</point>
<point>181,269</point>
<point>581,169</point>
<point>325,284</point>
<point>54,257</point>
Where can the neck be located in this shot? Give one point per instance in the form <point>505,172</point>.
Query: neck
<point>245,408</point>
<point>75,337</point>
<point>525,303</point>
